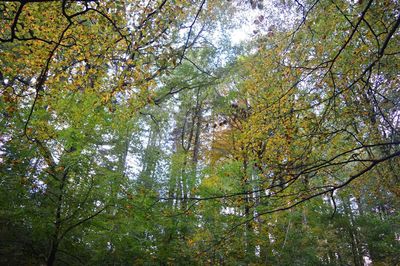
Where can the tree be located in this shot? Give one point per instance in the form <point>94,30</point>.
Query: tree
<point>134,132</point>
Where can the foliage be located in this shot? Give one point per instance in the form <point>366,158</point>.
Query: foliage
<point>135,132</point>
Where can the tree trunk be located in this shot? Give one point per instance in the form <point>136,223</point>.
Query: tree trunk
<point>57,222</point>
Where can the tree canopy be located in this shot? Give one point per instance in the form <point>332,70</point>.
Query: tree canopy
<point>144,133</point>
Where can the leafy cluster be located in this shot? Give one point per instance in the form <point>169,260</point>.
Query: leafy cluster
<point>135,132</point>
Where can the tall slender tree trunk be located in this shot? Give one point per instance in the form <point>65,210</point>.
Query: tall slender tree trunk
<point>55,241</point>
<point>353,234</point>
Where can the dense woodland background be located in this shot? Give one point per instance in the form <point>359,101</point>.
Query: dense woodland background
<point>141,132</point>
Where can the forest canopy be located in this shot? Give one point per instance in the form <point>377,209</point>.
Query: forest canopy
<point>144,132</point>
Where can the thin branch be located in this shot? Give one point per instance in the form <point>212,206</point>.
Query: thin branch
<point>185,47</point>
